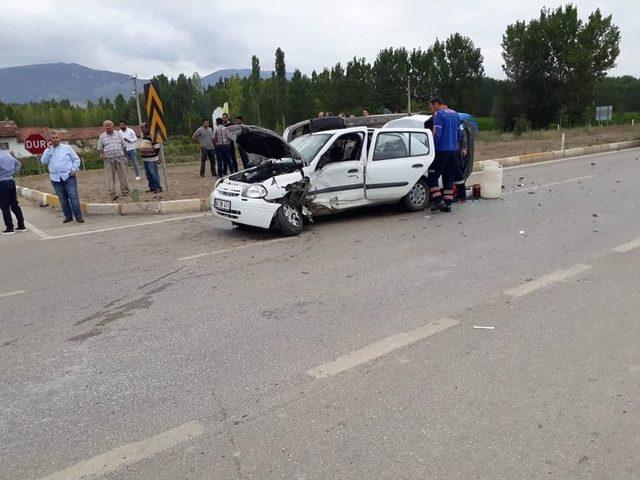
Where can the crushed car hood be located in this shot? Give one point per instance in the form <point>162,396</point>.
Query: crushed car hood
<point>262,144</point>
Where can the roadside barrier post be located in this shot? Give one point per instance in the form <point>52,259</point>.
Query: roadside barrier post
<point>562,143</point>
<point>164,167</point>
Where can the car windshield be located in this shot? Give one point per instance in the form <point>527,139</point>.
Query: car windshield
<point>310,145</point>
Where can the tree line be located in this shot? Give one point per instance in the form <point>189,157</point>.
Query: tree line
<point>555,66</point>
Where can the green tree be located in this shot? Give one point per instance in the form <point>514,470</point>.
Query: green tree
<point>556,60</point>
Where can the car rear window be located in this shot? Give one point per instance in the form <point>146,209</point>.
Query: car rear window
<point>390,145</point>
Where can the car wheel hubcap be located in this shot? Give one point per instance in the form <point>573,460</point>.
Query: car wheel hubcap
<point>418,194</point>
<point>292,215</point>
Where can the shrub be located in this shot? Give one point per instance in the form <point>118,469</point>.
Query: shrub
<point>521,126</point>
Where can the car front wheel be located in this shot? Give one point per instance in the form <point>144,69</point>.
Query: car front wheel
<point>418,197</point>
<point>289,220</point>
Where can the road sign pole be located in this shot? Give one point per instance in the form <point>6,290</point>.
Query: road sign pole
<point>164,168</point>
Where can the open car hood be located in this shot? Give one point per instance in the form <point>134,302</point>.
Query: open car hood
<point>262,144</point>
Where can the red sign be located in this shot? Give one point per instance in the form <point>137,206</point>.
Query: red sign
<point>36,144</point>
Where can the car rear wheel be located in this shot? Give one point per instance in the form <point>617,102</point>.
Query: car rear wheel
<point>418,197</point>
<point>289,220</point>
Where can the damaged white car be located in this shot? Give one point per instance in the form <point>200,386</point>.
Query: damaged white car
<point>322,172</point>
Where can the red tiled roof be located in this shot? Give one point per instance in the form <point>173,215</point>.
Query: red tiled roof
<point>8,128</point>
<point>66,134</point>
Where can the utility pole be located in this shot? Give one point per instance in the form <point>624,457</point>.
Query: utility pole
<point>135,92</point>
<point>409,89</point>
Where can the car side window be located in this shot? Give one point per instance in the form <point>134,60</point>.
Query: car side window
<point>391,145</point>
<point>419,144</point>
<point>344,148</point>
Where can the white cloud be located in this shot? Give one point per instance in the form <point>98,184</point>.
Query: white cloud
<point>178,36</point>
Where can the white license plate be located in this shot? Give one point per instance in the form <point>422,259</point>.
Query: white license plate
<point>223,205</point>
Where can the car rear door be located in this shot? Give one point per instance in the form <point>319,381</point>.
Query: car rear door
<point>396,160</point>
<point>340,182</point>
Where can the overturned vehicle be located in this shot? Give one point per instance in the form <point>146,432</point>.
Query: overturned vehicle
<point>327,167</point>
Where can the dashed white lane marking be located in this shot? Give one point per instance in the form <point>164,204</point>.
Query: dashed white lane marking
<point>121,227</point>
<point>547,280</point>
<point>237,247</point>
<point>37,231</point>
<point>627,247</point>
<point>12,294</point>
<point>532,188</point>
<point>130,453</point>
<point>381,348</point>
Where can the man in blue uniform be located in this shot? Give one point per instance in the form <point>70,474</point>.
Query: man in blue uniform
<point>446,135</point>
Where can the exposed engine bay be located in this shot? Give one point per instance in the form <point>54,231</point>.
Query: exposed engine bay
<point>268,169</point>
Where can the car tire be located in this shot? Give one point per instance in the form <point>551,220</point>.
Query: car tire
<point>289,220</point>
<point>418,197</point>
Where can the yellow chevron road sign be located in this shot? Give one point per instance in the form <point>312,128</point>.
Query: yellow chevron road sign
<point>155,112</point>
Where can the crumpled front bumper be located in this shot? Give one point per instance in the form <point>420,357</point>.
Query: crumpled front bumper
<point>255,212</point>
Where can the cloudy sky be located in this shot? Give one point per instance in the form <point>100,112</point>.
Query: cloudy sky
<point>184,36</point>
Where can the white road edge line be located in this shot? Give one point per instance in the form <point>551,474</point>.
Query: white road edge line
<point>37,231</point>
<point>554,277</point>
<point>121,227</point>
<point>627,247</point>
<point>381,348</point>
<point>13,294</point>
<point>233,249</point>
<point>130,453</point>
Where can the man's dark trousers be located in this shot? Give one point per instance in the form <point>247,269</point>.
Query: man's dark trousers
<point>209,154</point>
<point>67,192</point>
<point>223,152</point>
<point>9,203</point>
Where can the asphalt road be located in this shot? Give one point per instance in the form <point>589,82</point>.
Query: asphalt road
<point>185,349</point>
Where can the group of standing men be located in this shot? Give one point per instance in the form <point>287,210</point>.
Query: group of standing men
<point>216,144</point>
<point>118,146</point>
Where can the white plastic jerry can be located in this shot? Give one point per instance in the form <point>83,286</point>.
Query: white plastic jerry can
<point>491,182</point>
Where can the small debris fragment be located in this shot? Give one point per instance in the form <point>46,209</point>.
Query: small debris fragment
<point>528,280</point>
<point>522,232</point>
<point>532,193</point>
<point>593,163</point>
<point>594,214</point>
<point>480,327</point>
<point>520,184</point>
<point>521,178</point>
<point>305,273</point>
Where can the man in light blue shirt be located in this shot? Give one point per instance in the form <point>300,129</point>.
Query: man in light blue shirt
<point>9,167</point>
<point>63,164</point>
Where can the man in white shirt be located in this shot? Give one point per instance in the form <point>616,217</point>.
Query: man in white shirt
<point>130,141</point>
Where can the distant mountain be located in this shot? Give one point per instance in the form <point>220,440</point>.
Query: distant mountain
<point>59,81</point>
<point>77,83</point>
<point>213,78</point>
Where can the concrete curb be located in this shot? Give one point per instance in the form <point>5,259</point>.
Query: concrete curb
<point>558,154</point>
<point>192,205</point>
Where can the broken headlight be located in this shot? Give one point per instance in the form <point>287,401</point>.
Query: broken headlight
<point>255,191</point>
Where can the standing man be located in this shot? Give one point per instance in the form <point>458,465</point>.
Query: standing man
<point>243,155</point>
<point>365,112</point>
<point>204,137</point>
<point>149,153</point>
<point>130,139</point>
<point>446,131</point>
<point>9,166</point>
<point>232,146</point>
<point>223,149</point>
<point>63,164</point>
<point>112,150</point>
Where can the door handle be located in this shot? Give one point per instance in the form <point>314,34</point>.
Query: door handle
<point>417,165</point>
<point>352,170</point>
